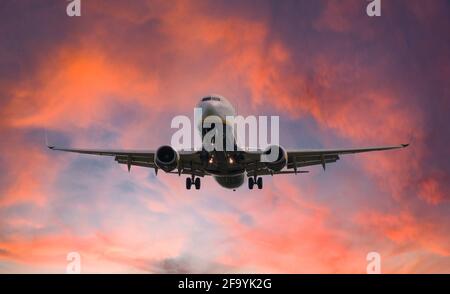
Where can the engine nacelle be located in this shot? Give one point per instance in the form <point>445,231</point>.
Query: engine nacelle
<point>275,157</point>
<point>166,158</point>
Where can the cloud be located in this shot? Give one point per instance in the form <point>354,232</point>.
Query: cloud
<point>117,75</point>
<point>407,231</point>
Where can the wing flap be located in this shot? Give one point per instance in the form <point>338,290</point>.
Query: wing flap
<point>267,172</point>
<point>140,161</point>
<point>302,161</point>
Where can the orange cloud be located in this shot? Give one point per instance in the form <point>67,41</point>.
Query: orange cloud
<point>431,189</point>
<point>407,231</point>
<point>287,234</point>
<point>162,57</point>
<point>76,88</point>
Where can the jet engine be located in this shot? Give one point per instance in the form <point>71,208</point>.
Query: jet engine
<point>166,158</point>
<point>275,157</point>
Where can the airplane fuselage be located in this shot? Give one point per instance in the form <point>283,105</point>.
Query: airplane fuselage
<point>223,166</point>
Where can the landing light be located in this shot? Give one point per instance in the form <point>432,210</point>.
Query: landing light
<point>231,160</point>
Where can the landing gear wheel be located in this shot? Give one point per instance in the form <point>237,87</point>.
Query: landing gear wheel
<point>251,182</point>
<point>197,183</point>
<point>259,182</point>
<point>188,183</point>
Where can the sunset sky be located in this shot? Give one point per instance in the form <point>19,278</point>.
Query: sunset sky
<point>115,77</point>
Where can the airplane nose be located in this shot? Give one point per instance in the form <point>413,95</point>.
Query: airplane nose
<point>207,109</point>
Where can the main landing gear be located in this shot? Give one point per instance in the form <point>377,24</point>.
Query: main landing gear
<point>255,181</point>
<point>193,181</point>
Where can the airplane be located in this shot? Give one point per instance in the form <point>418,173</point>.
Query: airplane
<point>228,168</point>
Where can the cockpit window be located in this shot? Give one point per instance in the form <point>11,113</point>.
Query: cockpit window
<point>211,98</point>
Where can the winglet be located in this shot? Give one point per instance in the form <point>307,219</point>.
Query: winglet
<point>46,142</point>
<point>405,145</point>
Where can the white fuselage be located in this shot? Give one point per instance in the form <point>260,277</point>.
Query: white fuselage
<point>228,173</point>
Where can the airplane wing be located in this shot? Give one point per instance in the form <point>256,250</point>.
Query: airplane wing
<point>308,157</point>
<point>143,158</point>
<point>129,157</point>
<point>192,164</point>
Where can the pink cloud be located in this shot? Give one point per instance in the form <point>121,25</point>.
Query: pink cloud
<point>284,228</point>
